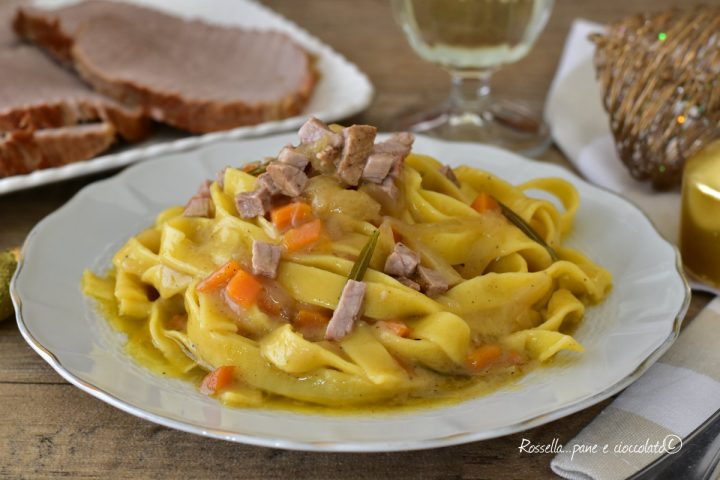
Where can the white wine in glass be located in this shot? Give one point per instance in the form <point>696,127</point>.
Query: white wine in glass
<point>471,39</point>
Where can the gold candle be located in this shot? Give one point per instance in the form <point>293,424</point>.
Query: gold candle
<point>700,217</point>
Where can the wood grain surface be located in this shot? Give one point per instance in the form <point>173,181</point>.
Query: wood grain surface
<point>50,429</point>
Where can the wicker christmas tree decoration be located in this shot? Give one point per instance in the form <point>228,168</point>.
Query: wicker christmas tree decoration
<point>659,76</point>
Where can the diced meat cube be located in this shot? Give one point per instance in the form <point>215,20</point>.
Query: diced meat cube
<point>347,311</point>
<point>221,178</point>
<point>198,207</point>
<point>358,145</point>
<point>253,204</point>
<point>289,180</point>
<point>409,283</point>
<point>389,189</point>
<point>378,166</point>
<point>204,190</point>
<point>448,172</point>
<point>265,258</point>
<point>402,262</point>
<point>265,181</point>
<point>432,283</point>
<point>289,156</point>
<point>314,130</point>
<point>398,144</point>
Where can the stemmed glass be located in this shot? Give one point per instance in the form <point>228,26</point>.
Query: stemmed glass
<point>471,39</point>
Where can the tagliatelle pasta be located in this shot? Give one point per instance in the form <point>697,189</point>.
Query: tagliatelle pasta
<point>484,302</point>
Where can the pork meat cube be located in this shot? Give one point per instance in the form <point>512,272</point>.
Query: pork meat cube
<point>402,262</point>
<point>289,180</point>
<point>432,283</point>
<point>347,311</point>
<point>378,166</point>
<point>265,258</point>
<point>314,130</point>
<point>198,207</point>
<point>358,145</point>
<point>253,204</point>
<point>288,156</point>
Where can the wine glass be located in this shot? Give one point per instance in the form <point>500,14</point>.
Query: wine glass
<point>471,39</point>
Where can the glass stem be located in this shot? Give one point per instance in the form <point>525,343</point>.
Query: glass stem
<point>470,93</point>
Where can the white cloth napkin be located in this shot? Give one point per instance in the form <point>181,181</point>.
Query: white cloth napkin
<point>677,394</point>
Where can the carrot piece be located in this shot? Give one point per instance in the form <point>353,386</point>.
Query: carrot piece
<point>217,380</point>
<point>485,202</point>
<point>291,215</point>
<point>243,288</point>
<point>302,236</point>
<point>311,318</point>
<point>398,328</point>
<point>484,356</point>
<point>178,322</point>
<point>218,277</point>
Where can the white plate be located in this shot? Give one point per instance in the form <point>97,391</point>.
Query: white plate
<point>342,90</point>
<point>622,336</point>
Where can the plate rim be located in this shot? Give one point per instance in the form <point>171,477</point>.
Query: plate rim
<point>352,446</point>
<point>132,155</point>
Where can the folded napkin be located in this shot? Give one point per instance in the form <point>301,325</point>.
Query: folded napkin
<point>680,392</point>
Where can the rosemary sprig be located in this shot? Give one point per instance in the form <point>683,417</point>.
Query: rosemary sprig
<point>363,261</point>
<point>524,227</point>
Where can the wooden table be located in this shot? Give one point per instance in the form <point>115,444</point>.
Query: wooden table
<point>48,428</point>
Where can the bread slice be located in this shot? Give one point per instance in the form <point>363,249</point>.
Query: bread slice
<point>26,151</point>
<point>189,74</point>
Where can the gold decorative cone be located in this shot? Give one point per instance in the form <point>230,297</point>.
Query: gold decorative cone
<point>660,77</point>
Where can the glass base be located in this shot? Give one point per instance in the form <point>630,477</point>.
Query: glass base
<point>504,124</point>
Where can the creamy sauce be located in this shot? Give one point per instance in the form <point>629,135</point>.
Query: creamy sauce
<point>453,390</point>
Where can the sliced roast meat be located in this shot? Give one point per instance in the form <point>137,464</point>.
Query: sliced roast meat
<point>42,95</point>
<point>265,258</point>
<point>288,156</point>
<point>22,151</point>
<point>378,166</point>
<point>409,283</point>
<point>198,207</point>
<point>253,204</point>
<point>265,181</point>
<point>358,144</point>
<point>289,180</point>
<point>402,262</point>
<point>187,73</point>
<point>450,174</point>
<point>314,130</point>
<point>432,283</point>
<point>347,311</point>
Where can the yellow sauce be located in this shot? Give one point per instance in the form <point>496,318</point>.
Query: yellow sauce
<point>453,390</point>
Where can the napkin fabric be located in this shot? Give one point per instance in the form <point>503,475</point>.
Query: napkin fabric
<point>682,390</point>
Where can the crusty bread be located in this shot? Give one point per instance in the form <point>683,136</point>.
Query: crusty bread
<point>188,74</point>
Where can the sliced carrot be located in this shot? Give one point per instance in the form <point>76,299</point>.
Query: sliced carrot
<point>311,318</point>
<point>484,356</point>
<point>216,380</point>
<point>302,236</point>
<point>219,277</point>
<point>178,322</point>
<point>398,328</point>
<point>243,288</point>
<point>484,203</point>
<point>291,215</point>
